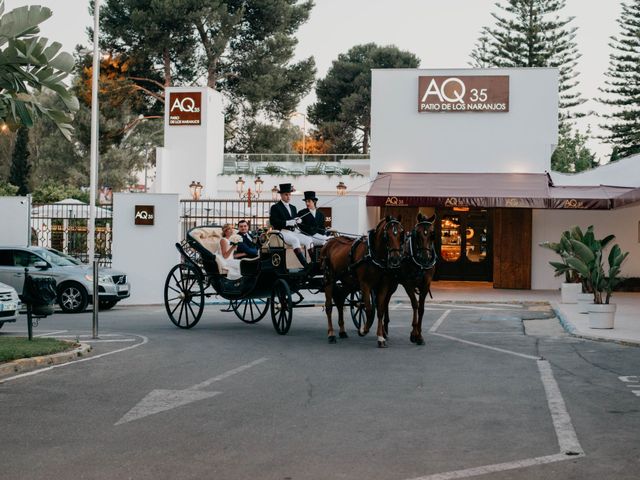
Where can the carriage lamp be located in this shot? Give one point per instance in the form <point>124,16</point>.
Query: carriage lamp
<point>259,182</point>
<point>341,189</point>
<point>274,194</point>
<point>196,189</point>
<point>240,186</point>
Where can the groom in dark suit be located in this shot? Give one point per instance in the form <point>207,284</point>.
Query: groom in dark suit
<point>246,249</point>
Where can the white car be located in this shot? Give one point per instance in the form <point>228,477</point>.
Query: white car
<point>9,304</point>
<point>74,280</point>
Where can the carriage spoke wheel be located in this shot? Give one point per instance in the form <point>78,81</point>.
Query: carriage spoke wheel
<point>358,310</point>
<point>184,295</point>
<point>281,307</point>
<point>251,310</point>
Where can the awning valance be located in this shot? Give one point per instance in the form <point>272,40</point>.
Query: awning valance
<point>492,190</point>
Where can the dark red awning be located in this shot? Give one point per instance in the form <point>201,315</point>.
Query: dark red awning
<point>492,190</point>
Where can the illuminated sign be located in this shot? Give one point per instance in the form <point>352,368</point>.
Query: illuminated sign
<point>185,108</point>
<point>479,93</point>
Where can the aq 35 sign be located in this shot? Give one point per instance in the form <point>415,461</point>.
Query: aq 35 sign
<point>144,214</point>
<point>480,93</point>
<point>185,108</point>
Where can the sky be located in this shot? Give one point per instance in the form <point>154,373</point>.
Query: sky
<point>441,33</point>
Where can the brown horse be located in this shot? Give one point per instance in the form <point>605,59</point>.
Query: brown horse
<point>415,274</point>
<point>361,264</point>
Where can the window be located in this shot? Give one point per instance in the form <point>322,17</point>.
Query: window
<point>6,258</point>
<point>25,259</point>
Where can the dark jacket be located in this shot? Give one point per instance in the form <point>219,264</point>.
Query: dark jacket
<point>247,246</point>
<point>278,216</point>
<point>312,224</point>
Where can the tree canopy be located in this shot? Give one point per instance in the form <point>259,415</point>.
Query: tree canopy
<point>622,87</point>
<point>342,112</point>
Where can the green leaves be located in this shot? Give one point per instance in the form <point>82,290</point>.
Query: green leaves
<point>31,64</point>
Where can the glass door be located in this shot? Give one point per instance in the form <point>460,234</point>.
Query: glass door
<point>465,247</point>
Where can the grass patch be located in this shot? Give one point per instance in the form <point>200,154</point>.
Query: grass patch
<point>12,348</point>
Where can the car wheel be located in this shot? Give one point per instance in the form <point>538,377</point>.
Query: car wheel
<point>72,298</point>
<point>107,304</point>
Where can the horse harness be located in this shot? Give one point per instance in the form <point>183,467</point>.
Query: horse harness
<point>414,254</point>
<point>370,255</point>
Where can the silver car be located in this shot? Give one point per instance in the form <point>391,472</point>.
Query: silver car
<point>9,304</point>
<point>74,280</point>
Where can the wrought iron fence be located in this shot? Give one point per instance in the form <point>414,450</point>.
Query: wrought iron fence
<point>221,211</point>
<point>63,226</point>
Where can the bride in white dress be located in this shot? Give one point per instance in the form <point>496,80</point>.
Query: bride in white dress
<point>227,249</point>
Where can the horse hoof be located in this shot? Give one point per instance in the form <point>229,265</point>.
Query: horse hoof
<point>332,339</point>
<point>361,333</point>
<point>382,344</point>
<point>412,338</point>
<point>420,341</point>
<point>344,335</point>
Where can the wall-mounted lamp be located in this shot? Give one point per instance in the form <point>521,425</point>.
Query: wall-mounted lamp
<point>196,189</point>
<point>274,193</point>
<point>341,189</point>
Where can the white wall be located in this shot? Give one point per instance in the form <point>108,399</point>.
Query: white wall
<point>145,253</point>
<point>521,140</point>
<point>548,225</point>
<point>622,173</point>
<point>192,152</point>
<point>14,218</point>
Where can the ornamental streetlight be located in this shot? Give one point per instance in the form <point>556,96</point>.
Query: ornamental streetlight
<point>249,195</point>
<point>341,189</point>
<point>196,189</point>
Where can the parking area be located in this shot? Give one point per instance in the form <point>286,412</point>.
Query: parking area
<point>498,390</point>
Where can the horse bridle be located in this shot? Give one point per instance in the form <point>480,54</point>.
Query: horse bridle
<point>390,251</point>
<point>414,254</point>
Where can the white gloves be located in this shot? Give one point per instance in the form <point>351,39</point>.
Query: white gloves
<point>290,223</point>
<point>298,220</point>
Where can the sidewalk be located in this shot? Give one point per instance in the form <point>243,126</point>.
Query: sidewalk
<point>627,326</point>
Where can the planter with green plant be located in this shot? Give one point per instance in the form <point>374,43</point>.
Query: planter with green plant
<point>572,285</point>
<point>587,260</point>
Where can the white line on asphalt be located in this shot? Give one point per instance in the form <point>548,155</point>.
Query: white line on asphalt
<point>636,392</point>
<point>50,333</point>
<point>75,362</point>
<point>567,438</point>
<point>438,322</point>
<point>475,344</point>
<point>455,306</point>
<point>111,341</point>
<point>90,336</point>
<point>222,376</point>
<point>499,467</point>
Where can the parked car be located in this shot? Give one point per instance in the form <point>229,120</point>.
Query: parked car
<point>74,279</point>
<point>9,304</point>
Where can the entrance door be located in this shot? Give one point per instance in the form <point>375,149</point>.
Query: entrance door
<point>465,245</point>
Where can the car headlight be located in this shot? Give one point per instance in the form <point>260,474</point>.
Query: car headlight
<point>101,278</point>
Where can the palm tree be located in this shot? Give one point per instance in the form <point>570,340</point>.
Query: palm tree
<point>30,64</point>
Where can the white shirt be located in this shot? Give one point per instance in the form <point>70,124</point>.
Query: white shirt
<point>287,207</point>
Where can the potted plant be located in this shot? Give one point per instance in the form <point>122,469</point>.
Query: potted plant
<point>587,259</point>
<point>571,286</point>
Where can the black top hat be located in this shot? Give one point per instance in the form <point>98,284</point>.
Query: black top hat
<point>310,196</point>
<point>285,188</point>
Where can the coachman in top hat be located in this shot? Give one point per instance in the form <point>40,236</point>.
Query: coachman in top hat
<point>284,217</point>
<point>313,220</point>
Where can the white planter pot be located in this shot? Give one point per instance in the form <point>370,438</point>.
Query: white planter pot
<point>602,315</point>
<point>585,300</point>
<point>570,291</point>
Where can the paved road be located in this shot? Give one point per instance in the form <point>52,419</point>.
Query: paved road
<point>498,390</point>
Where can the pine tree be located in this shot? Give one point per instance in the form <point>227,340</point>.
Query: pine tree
<point>531,34</point>
<point>20,166</point>
<point>623,85</point>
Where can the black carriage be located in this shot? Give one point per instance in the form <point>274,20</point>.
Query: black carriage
<point>272,281</point>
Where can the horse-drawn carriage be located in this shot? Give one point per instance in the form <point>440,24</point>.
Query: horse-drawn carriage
<point>273,281</point>
<point>362,272</point>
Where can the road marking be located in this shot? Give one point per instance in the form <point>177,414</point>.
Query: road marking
<point>633,381</point>
<point>111,341</point>
<point>162,400</point>
<point>51,333</point>
<point>570,447</point>
<point>75,362</point>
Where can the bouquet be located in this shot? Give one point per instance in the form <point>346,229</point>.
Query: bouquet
<point>235,239</point>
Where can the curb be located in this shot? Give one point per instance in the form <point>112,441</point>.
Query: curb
<point>571,330</point>
<point>27,364</point>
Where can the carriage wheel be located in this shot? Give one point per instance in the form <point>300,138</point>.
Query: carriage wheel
<point>281,307</point>
<point>251,310</point>
<point>358,312</point>
<point>184,295</point>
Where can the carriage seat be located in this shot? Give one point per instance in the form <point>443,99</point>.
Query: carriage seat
<point>209,238</point>
<point>275,240</point>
